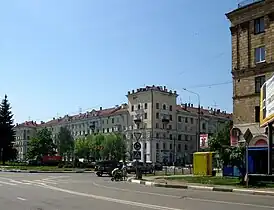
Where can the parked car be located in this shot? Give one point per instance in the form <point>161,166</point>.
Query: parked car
<point>145,168</point>
<point>105,167</point>
<point>158,166</point>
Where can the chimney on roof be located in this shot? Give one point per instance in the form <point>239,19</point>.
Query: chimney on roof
<point>128,92</point>
<point>192,105</point>
<point>54,118</point>
<point>175,92</point>
<point>218,111</point>
<point>101,108</point>
<point>188,104</point>
<point>202,107</point>
<point>132,91</point>
<point>164,88</point>
<point>185,106</point>
<point>16,124</point>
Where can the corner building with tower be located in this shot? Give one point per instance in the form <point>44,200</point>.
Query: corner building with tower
<point>252,35</point>
<point>169,132</point>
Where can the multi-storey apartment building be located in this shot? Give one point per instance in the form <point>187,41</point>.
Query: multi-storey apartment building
<point>252,32</point>
<point>169,131</point>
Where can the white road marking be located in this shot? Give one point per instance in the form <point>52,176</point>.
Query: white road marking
<point>136,191</point>
<point>45,181</point>
<point>187,198</point>
<point>230,203</point>
<point>125,202</point>
<point>22,199</point>
<point>17,182</point>
<point>7,183</point>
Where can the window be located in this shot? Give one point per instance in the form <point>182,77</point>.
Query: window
<point>170,136</point>
<point>179,137</point>
<point>164,107</point>
<point>257,113</point>
<point>259,54</point>
<point>157,115</point>
<point>191,120</point>
<point>186,120</point>
<point>145,105</point>
<point>186,138</point>
<point>112,120</point>
<point>259,81</point>
<point>157,135</point>
<point>145,145</point>
<point>170,108</point>
<point>157,125</point>
<point>139,106</point>
<point>145,115</point>
<point>186,147</point>
<point>259,25</point>
<point>157,105</point>
<point>157,145</point>
<point>203,126</point>
<point>179,148</point>
<point>179,119</point>
<point>170,127</point>
<point>164,145</point>
<point>170,146</point>
<point>132,108</point>
<point>170,117</point>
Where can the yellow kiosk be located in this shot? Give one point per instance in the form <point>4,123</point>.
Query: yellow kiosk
<point>203,163</point>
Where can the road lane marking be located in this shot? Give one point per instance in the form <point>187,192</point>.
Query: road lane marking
<point>125,202</point>
<point>186,197</point>
<point>136,191</point>
<point>45,181</point>
<point>229,203</point>
<point>22,199</point>
<point>7,183</point>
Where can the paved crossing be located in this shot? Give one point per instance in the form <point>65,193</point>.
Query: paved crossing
<point>52,180</point>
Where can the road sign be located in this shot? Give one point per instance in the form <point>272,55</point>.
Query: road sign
<point>137,155</point>
<point>203,140</point>
<point>137,146</point>
<point>248,136</point>
<point>137,135</point>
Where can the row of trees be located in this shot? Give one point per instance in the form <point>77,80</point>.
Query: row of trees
<point>100,146</point>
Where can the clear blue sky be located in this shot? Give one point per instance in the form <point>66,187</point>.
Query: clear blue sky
<point>58,56</point>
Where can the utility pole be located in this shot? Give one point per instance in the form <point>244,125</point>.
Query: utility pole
<point>199,119</point>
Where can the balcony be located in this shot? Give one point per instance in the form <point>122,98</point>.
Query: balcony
<point>247,2</point>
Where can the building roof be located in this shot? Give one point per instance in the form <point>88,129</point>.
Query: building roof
<point>243,5</point>
<point>117,110</point>
<point>205,112</point>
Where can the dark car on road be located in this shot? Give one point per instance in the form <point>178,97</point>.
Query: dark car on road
<point>105,167</point>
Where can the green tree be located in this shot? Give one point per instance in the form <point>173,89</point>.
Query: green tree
<point>114,147</point>
<point>65,142</point>
<point>41,144</point>
<point>227,155</point>
<point>82,148</point>
<point>7,133</point>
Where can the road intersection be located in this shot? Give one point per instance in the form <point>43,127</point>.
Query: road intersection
<point>86,191</point>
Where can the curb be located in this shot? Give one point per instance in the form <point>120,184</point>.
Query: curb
<point>205,188</point>
<point>36,171</point>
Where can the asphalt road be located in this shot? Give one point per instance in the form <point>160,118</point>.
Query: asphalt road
<point>88,192</point>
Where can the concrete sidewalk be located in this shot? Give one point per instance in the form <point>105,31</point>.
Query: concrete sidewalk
<point>194,186</point>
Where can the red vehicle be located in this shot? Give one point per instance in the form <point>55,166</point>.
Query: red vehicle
<point>51,160</point>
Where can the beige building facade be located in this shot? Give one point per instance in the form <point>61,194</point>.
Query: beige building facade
<point>168,131</point>
<point>252,35</point>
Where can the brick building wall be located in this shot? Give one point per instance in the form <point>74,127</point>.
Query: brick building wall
<point>252,38</point>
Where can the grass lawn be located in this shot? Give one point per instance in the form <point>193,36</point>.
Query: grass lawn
<point>43,168</point>
<point>208,180</point>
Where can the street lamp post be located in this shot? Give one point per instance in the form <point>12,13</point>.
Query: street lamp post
<point>199,118</point>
